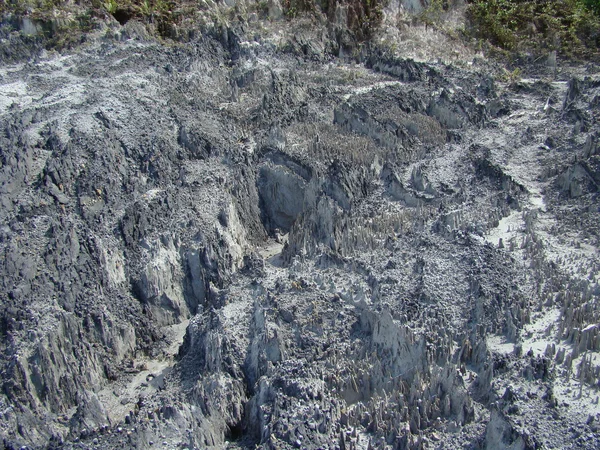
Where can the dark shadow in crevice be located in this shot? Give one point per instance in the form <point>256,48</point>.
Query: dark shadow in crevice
<point>123,16</point>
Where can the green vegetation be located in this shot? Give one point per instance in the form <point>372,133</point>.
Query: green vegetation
<point>512,76</point>
<point>62,23</point>
<point>432,15</point>
<point>571,27</point>
<point>593,5</point>
<point>166,17</point>
<point>111,6</point>
<point>364,16</point>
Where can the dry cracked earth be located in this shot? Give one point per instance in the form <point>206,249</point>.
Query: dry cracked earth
<point>254,240</point>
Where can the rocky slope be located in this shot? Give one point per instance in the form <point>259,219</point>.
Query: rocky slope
<point>262,238</point>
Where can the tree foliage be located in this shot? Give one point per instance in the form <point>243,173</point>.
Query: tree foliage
<point>571,27</point>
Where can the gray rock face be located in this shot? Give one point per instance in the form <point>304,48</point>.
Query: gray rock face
<point>282,194</point>
<point>236,242</point>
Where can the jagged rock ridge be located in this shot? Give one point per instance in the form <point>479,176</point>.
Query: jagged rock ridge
<point>235,243</point>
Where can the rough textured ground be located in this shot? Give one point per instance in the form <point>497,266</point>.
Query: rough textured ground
<point>257,239</point>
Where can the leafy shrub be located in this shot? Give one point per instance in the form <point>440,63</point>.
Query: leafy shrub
<point>593,5</point>
<point>572,27</point>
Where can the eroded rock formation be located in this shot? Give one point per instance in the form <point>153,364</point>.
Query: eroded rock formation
<point>246,241</point>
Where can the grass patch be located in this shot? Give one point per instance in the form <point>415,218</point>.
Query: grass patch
<point>571,27</point>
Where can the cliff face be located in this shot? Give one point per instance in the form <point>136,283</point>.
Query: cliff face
<point>249,239</point>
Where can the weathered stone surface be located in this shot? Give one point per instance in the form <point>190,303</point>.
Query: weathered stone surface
<point>279,239</point>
